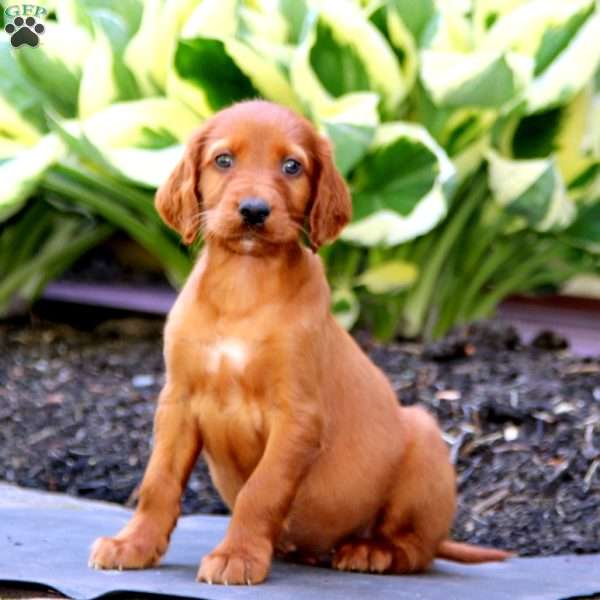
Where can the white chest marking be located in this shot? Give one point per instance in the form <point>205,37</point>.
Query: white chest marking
<point>230,349</point>
<point>247,245</point>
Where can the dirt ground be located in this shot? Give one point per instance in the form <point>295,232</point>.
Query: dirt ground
<point>522,423</point>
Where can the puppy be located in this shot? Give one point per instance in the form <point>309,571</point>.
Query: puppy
<point>303,434</point>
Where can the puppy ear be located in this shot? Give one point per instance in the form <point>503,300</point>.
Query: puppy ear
<point>178,199</point>
<point>331,208</point>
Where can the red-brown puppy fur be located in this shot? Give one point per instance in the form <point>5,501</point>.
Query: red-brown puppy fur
<point>303,435</point>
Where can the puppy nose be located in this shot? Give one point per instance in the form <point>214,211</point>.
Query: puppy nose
<point>254,211</point>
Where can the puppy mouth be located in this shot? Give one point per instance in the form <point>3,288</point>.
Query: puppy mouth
<point>237,234</point>
<point>249,230</point>
<point>253,233</point>
<point>248,240</point>
<point>248,237</point>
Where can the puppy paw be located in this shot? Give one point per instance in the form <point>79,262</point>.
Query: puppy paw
<point>236,567</point>
<point>365,556</point>
<point>126,553</point>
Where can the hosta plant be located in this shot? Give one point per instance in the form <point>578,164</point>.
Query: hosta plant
<point>468,131</point>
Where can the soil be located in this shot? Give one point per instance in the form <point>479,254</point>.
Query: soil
<point>119,260</point>
<point>522,422</point>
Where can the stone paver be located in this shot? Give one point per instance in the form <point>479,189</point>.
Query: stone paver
<point>45,538</point>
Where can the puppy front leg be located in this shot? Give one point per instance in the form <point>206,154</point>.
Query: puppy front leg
<point>145,538</point>
<point>244,556</point>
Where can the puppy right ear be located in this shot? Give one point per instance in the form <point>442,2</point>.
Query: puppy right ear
<point>178,200</point>
<point>331,208</point>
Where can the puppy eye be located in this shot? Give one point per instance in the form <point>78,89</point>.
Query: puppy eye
<point>224,161</point>
<point>291,166</point>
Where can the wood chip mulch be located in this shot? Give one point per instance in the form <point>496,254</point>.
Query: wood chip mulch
<point>522,423</point>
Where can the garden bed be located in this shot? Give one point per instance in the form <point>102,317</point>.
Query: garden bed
<point>523,422</point>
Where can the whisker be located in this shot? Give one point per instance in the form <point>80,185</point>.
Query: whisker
<point>199,217</point>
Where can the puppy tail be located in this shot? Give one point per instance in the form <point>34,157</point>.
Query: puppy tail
<point>467,553</point>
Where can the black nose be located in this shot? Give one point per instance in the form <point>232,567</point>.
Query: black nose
<point>254,211</point>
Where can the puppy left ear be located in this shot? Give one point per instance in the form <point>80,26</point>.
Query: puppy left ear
<point>331,208</point>
<point>178,200</point>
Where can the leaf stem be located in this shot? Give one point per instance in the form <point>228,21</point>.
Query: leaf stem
<point>176,263</point>
<point>421,297</point>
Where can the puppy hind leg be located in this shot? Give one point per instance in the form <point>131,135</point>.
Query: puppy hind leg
<point>364,555</point>
<point>419,509</point>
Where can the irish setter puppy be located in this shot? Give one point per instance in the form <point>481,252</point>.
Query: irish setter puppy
<point>303,434</point>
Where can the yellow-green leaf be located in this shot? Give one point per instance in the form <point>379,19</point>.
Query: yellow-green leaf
<point>389,277</point>
<point>345,307</point>
<point>20,175</point>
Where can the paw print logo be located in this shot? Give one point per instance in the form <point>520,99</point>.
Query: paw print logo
<point>24,31</point>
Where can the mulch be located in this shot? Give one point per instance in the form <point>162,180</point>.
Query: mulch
<point>522,422</point>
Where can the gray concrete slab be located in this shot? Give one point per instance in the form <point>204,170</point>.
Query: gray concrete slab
<point>45,538</point>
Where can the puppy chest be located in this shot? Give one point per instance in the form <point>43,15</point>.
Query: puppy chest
<point>234,429</point>
<point>225,364</point>
<point>201,361</point>
<point>229,353</point>
<point>231,402</point>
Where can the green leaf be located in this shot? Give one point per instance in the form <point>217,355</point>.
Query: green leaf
<point>532,190</point>
<point>415,15</point>
<point>350,123</point>
<point>403,41</point>
<point>141,124</point>
<point>451,28</point>
<point>54,68</point>
<point>586,178</point>
<point>567,132</point>
<point>557,37</point>
<point>21,111</point>
<point>379,185</point>
<point>578,143</point>
<point>401,187</point>
<point>106,78</point>
<point>266,74</point>
<point>206,63</point>
<point>534,202</point>
<point>585,230</point>
<point>570,71</point>
<point>129,12</point>
<point>338,66</point>
<point>253,36</point>
<point>260,24</point>
<point>214,19</point>
<point>294,13</point>
<point>152,139</point>
<point>483,79</point>
<point>146,167</point>
<point>350,143</point>
<point>72,136</point>
<point>335,58</point>
<point>149,54</point>
<point>535,136</point>
<point>142,139</point>
<point>345,307</point>
<point>562,38</point>
<point>458,130</point>
<point>20,176</point>
<point>389,277</point>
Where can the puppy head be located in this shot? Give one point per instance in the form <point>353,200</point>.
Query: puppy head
<point>252,177</point>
